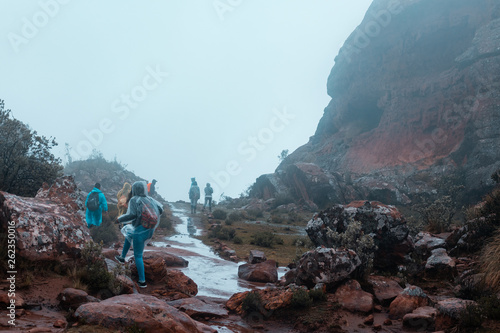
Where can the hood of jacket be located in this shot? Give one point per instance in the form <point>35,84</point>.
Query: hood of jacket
<point>139,189</point>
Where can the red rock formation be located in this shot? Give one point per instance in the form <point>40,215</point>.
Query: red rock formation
<point>415,95</point>
<point>50,226</point>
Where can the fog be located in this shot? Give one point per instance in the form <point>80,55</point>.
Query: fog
<point>174,89</point>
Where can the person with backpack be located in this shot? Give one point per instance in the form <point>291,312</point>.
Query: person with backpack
<point>194,195</point>
<point>152,188</point>
<point>208,197</point>
<point>143,214</point>
<point>95,203</point>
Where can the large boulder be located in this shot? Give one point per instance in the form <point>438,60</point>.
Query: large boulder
<point>384,223</point>
<point>49,227</point>
<point>146,313</point>
<point>323,265</point>
<point>262,272</point>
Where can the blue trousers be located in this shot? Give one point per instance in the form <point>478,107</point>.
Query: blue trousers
<point>141,235</point>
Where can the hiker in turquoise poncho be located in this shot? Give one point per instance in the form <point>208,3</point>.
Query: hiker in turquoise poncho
<point>95,204</point>
<point>194,195</point>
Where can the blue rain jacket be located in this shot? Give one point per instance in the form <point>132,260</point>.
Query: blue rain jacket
<point>95,217</point>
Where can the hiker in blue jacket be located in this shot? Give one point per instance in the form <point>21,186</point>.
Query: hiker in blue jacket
<point>139,231</point>
<point>95,204</point>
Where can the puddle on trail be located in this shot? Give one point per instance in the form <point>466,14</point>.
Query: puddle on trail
<point>214,276</point>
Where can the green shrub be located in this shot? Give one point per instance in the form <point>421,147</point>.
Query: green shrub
<point>219,214</point>
<point>490,306</point>
<point>265,239</point>
<point>470,318</point>
<point>317,295</point>
<point>237,240</point>
<point>107,232</point>
<point>228,222</point>
<point>96,274</point>
<point>301,299</point>
<point>234,217</point>
<point>252,303</point>
<point>277,219</point>
<point>255,213</point>
<point>222,233</point>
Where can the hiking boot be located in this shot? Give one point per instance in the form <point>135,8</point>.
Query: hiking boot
<point>120,259</point>
<point>142,284</point>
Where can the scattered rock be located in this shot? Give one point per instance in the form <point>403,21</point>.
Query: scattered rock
<point>256,257</point>
<point>271,299</point>
<point>5,299</point>
<point>198,309</point>
<point>440,266</point>
<point>178,281</point>
<point>262,272</point>
<point>410,299</point>
<point>369,320</point>
<point>60,323</point>
<point>155,269</point>
<point>142,311</point>
<point>425,243</point>
<point>421,319</point>
<point>71,298</point>
<point>351,297</point>
<point>385,289</point>
<point>449,312</point>
<point>171,260</point>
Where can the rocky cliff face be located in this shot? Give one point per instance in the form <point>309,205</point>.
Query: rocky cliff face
<point>415,95</point>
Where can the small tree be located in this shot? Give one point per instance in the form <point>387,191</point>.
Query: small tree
<point>25,158</point>
<point>283,155</point>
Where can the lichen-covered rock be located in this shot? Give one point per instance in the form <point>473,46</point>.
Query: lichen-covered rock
<point>49,227</point>
<point>323,265</point>
<point>410,299</point>
<point>146,313</point>
<point>449,311</point>
<point>425,243</point>
<point>383,222</point>
<point>440,265</point>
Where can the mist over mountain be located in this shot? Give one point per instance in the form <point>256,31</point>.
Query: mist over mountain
<point>415,97</point>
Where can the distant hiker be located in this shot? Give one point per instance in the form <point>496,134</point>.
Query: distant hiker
<point>144,215</point>
<point>95,203</point>
<point>194,195</point>
<point>151,187</point>
<point>122,197</point>
<point>208,197</point>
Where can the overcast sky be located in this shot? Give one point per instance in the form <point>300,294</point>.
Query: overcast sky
<point>174,89</point>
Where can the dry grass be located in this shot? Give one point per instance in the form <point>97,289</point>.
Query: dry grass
<point>490,263</point>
